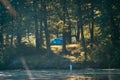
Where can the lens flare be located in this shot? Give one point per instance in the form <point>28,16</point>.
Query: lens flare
<point>9,7</point>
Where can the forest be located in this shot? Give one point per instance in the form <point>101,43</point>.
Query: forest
<point>54,33</point>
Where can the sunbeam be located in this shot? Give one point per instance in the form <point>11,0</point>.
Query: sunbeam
<point>27,69</point>
<point>9,7</point>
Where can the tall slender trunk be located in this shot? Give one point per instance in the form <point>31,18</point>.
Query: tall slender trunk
<point>92,24</point>
<point>82,32</point>
<point>7,40</point>
<point>83,42</point>
<point>41,29</point>
<point>1,28</point>
<point>91,28</point>
<point>114,28</point>
<point>78,32</point>
<point>46,28</point>
<point>12,27</point>
<point>11,40</point>
<point>83,39</point>
<point>79,22</point>
<point>92,32</point>
<point>68,35</point>
<point>64,42</point>
<point>64,21</point>
<point>28,33</point>
<point>1,39</point>
<point>114,32</point>
<point>19,35</point>
<point>37,36</point>
<point>41,26</point>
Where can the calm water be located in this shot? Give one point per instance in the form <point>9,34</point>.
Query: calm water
<point>88,74</point>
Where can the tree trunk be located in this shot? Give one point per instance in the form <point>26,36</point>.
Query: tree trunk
<point>28,32</point>
<point>91,28</point>
<point>64,42</point>
<point>64,21</point>
<point>41,36</point>
<point>37,36</point>
<point>41,26</point>
<point>114,32</point>
<point>78,32</point>
<point>114,28</point>
<point>92,32</point>
<point>1,28</point>
<point>69,37</point>
<point>69,34</point>
<point>19,38</point>
<point>1,39</point>
<point>46,28</point>
<point>19,35</point>
<point>83,39</point>
<point>11,39</point>
<point>82,33</point>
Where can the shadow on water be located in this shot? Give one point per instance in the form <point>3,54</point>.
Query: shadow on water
<point>60,75</point>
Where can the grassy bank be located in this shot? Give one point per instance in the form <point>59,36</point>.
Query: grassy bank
<point>29,57</point>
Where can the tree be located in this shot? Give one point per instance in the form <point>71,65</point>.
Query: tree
<point>63,3</point>
<point>47,35</point>
<point>112,9</point>
<point>37,34</point>
<point>80,24</point>
<point>91,26</point>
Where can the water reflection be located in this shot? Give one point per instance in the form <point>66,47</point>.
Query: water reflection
<point>92,77</point>
<point>60,75</point>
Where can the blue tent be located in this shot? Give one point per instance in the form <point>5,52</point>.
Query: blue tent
<point>57,42</point>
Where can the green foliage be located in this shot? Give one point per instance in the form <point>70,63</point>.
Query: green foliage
<point>6,56</point>
<point>56,17</point>
<point>105,55</point>
<point>9,54</point>
<point>3,61</point>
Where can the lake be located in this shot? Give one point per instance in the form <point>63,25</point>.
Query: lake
<point>83,74</point>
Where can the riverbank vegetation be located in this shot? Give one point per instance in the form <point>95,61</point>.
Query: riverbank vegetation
<point>89,32</point>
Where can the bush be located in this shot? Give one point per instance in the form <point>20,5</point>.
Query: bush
<point>6,55</point>
<point>106,55</point>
